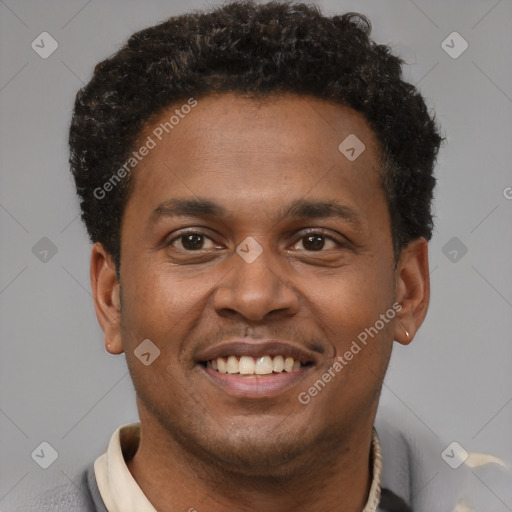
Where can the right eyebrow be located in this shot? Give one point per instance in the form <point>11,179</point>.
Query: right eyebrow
<point>186,207</point>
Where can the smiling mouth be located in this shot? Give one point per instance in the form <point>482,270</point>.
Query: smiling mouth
<point>254,366</point>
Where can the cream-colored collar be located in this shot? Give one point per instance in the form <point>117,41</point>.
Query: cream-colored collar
<point>121,493</point>
<point>119,490</point>
<point>376,455</point>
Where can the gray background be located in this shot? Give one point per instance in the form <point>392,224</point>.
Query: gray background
<point>57,384</point>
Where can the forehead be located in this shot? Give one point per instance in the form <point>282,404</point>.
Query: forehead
<point>230,147</point>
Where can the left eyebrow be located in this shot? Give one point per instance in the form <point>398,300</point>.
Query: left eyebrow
<point>303,208</point>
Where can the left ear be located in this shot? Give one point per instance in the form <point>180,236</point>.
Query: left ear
<point>412,289</point>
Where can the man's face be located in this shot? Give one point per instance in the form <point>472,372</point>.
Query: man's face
<point>266,170</point>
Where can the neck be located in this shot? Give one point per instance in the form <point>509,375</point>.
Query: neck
<point>175,479</point>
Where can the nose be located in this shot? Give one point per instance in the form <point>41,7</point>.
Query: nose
<point>256,290</point>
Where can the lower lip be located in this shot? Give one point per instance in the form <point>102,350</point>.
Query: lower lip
<point>256,386</point>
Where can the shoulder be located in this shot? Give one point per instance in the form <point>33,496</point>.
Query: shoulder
<point>413,467</point>
<point>80,497</point>
<point>430,474</point>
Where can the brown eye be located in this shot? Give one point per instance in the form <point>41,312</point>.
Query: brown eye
<point>192,242</point>
<point>313,242</point>
<point>316,242</point>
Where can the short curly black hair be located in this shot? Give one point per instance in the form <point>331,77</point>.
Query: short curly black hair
<point>257,50</point>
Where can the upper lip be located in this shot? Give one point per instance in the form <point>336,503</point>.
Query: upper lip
<point>257,348</point>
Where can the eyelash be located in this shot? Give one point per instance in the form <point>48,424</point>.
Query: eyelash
<point>308,232</point>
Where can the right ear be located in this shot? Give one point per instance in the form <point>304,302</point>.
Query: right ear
<point>105,290</point>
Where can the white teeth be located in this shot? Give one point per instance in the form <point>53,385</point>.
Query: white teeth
<point>246,365</point>
<point>221,364</point>
<point>232,365</point>
<point>278,364</point>
<point>288,364</point>
<point>264,365</point>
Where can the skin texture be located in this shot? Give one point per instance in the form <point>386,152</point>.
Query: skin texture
<point>201,446</point>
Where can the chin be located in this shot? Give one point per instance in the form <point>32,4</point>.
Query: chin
<point>255,452</point>
<point>264,463</point>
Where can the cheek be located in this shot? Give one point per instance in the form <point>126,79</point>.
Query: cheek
<point>163,307</point>
<point>348,310</point>
<point>346,303</point>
